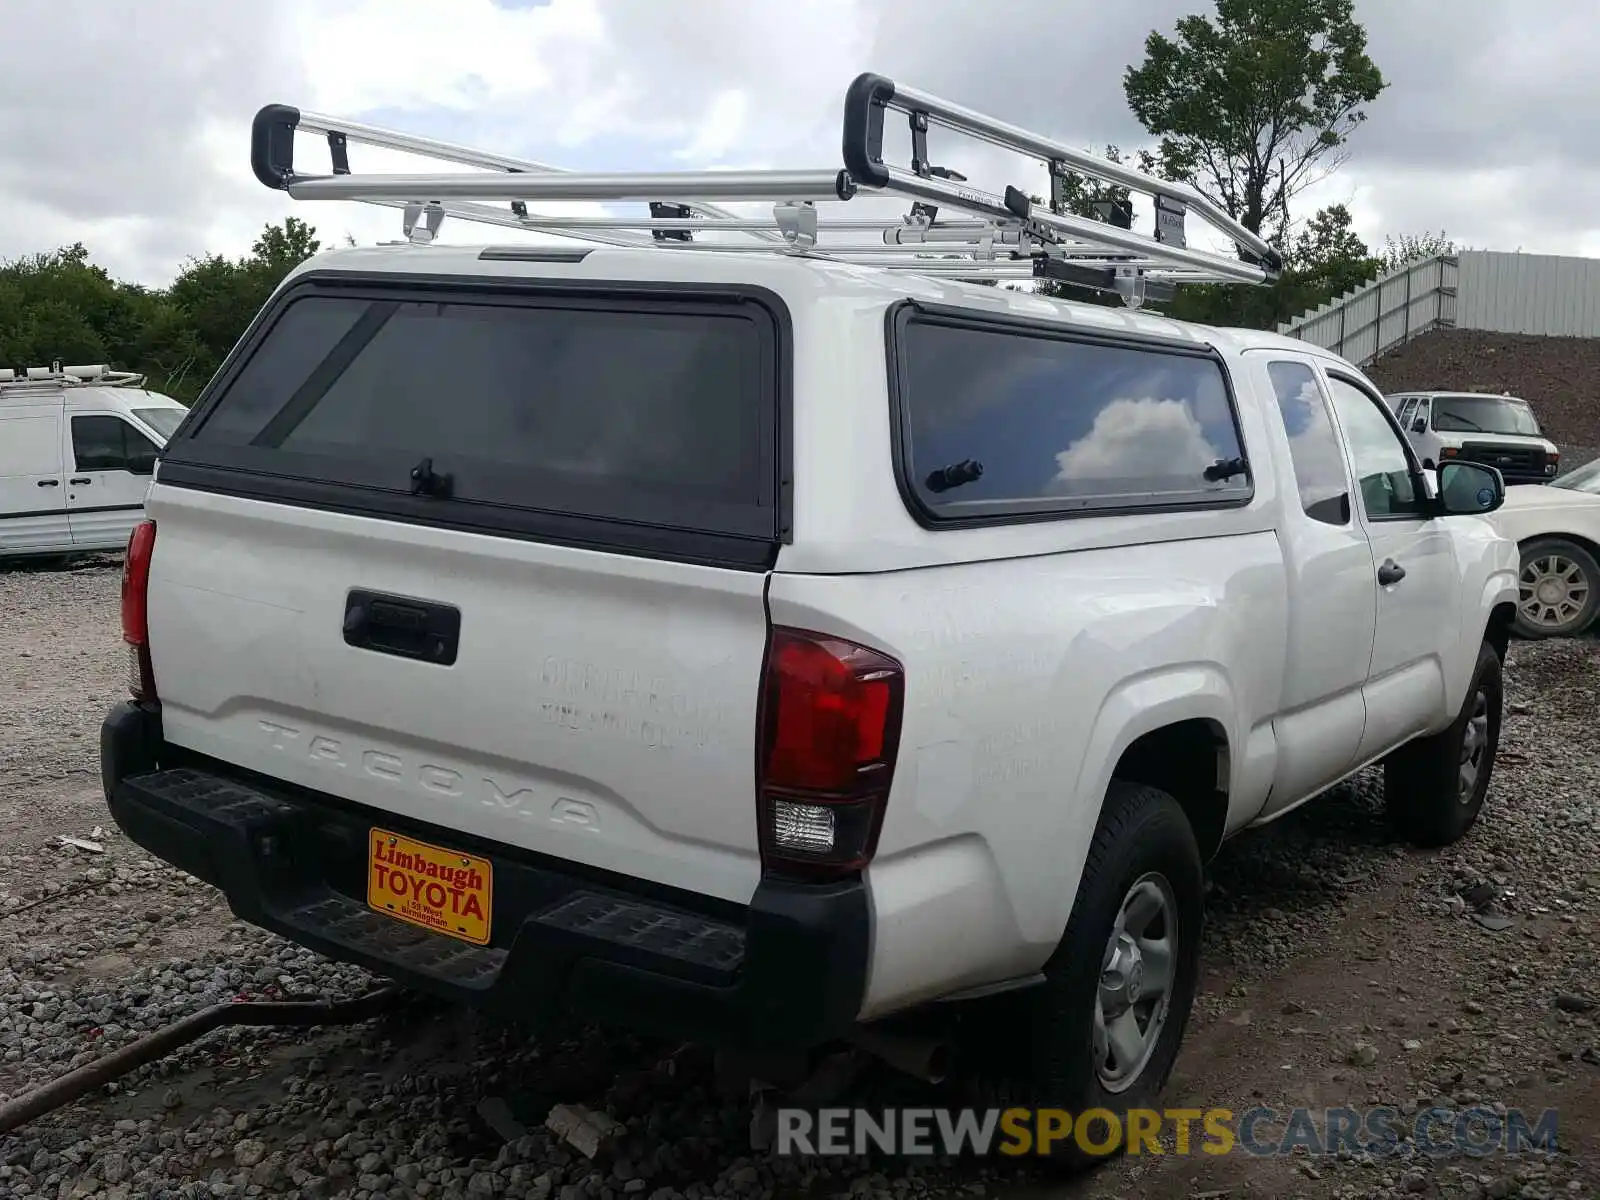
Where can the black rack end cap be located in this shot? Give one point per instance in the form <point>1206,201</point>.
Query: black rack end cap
<point>1272,261</point>
<point>272,145</point>
<point>1017,203</point>
<point>865,101</point>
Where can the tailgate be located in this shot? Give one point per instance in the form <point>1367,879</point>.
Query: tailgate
<point>493,563</point>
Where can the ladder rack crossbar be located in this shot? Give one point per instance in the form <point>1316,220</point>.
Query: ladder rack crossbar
<point>978,234</point>
<point>380,138</point>
<point>674,186</point>
<point>870,94</point>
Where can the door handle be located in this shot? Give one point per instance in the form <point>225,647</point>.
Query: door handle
<point>83,481</point>
<point>49,483</point>
<point>1390,572</point>
<point>406,628</point>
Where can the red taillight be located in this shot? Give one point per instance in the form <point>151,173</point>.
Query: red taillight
<point>830,729</point>
<point>135,609</point>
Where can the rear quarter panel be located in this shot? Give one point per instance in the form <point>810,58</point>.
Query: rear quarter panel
<point>1026,678</point>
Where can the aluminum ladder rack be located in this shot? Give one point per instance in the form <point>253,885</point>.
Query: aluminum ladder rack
<point>982,236</point>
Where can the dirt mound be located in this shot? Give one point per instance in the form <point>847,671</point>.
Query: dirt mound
<point>1558,376</point>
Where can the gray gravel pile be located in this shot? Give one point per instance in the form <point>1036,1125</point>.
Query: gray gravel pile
<point>1495,967</point>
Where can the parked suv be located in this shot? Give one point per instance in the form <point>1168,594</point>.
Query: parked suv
<point>1478,427</point>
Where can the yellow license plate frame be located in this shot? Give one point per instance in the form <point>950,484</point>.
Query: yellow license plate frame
<point>432,887</point>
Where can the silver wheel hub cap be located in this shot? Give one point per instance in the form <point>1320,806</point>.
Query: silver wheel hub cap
<point>1552,591</point>
<point>1136,979</point>
<point>1474,748</point>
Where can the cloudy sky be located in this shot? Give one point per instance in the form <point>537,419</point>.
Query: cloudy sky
<point>125,126</point>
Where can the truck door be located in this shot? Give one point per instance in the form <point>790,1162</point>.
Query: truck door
<point>1415,577</point>
<point>33,503</point>
<point>1332,605</point>
<point>112,463</point>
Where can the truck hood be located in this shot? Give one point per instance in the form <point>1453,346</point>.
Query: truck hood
<point>1534,495</point>
<point>1459,440</point>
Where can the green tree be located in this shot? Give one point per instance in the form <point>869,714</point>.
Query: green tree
<point>1256,105</point>
<point>1411,247</point>
<point>1328,255</point>
<point>1325,259</point>
<point>281,248</point>
<point>59,306</point>
<point>218,297</point>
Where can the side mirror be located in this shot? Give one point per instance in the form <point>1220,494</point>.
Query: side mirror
<point>1470,488</point>
<point>1420,425</point>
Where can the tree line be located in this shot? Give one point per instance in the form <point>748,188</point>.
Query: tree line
<point>1250,106</point>
<point>61,307</point>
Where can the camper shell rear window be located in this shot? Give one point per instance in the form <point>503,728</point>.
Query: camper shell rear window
<point>650,421</point>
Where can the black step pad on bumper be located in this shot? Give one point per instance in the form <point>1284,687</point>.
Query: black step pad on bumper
<point>788,971</point>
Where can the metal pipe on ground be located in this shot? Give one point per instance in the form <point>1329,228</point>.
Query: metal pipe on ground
<point>928,1059</point>
<point>74,1085</point>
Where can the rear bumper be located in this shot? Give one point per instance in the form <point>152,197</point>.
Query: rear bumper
<point>788,972</point>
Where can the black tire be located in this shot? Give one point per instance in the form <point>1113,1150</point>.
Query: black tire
<point>1037,1048</point>
<point>1423,780</point>
<point>1559,562</point>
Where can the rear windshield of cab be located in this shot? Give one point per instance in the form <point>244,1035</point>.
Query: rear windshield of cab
<point>591,418</point>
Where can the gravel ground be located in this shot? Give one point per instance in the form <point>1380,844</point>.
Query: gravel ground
<point>1341,969</point>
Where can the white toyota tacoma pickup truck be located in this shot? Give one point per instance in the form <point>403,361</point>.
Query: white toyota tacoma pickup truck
<point>751,647</point>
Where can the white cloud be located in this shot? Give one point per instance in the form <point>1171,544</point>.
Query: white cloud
<point>126,125</point>
<point>1132,438</point>
<point>1319,463</point>
<point>720,130</point>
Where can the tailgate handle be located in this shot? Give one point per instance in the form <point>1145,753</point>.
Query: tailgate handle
<point>402,626</point>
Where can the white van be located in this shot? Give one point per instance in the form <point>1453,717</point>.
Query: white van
<point>77,449</point>
<point>1477,427</point>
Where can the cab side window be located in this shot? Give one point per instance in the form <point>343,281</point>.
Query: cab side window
<point>1381,460</point>
<point>1319,467</point>
<point>106,443</point>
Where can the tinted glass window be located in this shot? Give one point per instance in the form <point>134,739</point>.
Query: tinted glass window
<point>1318,459</point>
<point>565,408</point>
<point>109,444</point>
<point>163,420</point>
<point>1061,424</point>
<point>1382,468</point>
<point>1483,414</point>
<point>97,444</point>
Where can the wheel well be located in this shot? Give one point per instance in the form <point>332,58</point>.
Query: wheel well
<point>1583,543</point>
<point>1189,761</point>
<point>1498,633</point>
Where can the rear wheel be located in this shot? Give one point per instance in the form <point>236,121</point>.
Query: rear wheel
<point>1559,589</point>
<point>1434,787</point>
<point>1103,1030</point>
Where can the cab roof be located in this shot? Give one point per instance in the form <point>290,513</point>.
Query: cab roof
<point>785,274</point>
